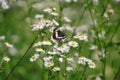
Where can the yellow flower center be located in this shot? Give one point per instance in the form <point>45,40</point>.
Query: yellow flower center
<point>34,57</point>
<point>92,63</point>
<point>83,35</point>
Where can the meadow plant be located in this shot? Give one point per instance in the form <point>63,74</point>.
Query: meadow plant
<point>72,40</point>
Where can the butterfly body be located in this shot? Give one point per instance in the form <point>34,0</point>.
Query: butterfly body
<point>58,35</point>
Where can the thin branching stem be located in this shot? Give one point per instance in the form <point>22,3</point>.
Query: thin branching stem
<point>26,52</point>
<point>65,68</point>
<point>60,12</point>
<point>104,65</point>
<point>117,74</point>
<point>84,71</point>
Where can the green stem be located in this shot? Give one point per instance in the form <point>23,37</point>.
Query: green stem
<point>65,69</point>
<point>13,68</point>
<point>83,74</point>
<point>104,65</point>
<point>60,13</point>
<point>117,75</point>
<point>49,74</point>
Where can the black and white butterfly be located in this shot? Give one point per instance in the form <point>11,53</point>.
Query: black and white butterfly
<point>58,35</point>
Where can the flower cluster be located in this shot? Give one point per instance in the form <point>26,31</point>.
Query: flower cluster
<point>51,50</point>
<point>4,4</point>
<point>84,61</point>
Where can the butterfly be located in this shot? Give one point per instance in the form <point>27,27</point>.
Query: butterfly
<point>58,35</point>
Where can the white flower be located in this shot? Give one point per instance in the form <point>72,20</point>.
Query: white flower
<point>82,60</point>
<point>4,5</point>
<point>34,57</point>
<point>47,10</point>
<point>67,19</point>
<point>73,43</point>
<point>101,34</point>
<point>70,60</point>
<point>69,68</point>
<point>75,0</point>
<point>77,36</point>
<point>53,52</point>
<point>37,44</point>
<point>54,14</point>
<point>56,69</point>
<point>48,23</point>
<point>64,48</point>
<point>93,47</point>
<point>48,64</point>
<point>95,2</point>
<point>55,22</point>
<point>49,58</point>
<point>6,59</point>
<point>92,65</point>
<point>38,16</point>
<point>46,42</point>
<point>37,26</point>
<point>2,37</point>
<point>61,60</point>
<point>8,45</point>
<point>83,37</point>
<point>98,78</point>
<point>40,50</point>
<point>68,1</point>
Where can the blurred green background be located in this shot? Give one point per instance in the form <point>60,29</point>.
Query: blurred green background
<point>15,25</point>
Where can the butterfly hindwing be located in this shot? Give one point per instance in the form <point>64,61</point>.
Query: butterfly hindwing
<point>58,35</point>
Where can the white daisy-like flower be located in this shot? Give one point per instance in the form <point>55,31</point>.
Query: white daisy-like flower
<point>8,45</point>
<point>69,68</point>
<point>95,2</point>
<point>101,34</point>
<point>53,52</point>
<point>70,60</point>
<point>48,64</point>
<point>93,47</point>
<point>60,60</point>
<point>2,38</point>
<point>48,10</point>
<point>55,22</point>
<point>83,37</point>
<point>75,0</point>
<point>91,65</point>
<point>54,14</point>
<point>98,78</point>
<point>34,57</point>
<point>4,5</point>
<point>73,44</point>
<point>67,19</point>
<point>82,60</point>
<point>48,23</point>
<point>55,69</point>
<point>88,60</point>
<point>6,59</point>
<point>40,50</point>
<point>64,48</point>
<point>77,36</point>
<point>49,58</point>
<point>46,42</point>
<point>38,16</point>
<point>37,44</point>
<point>37,26</point>
<point>68,1</point>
